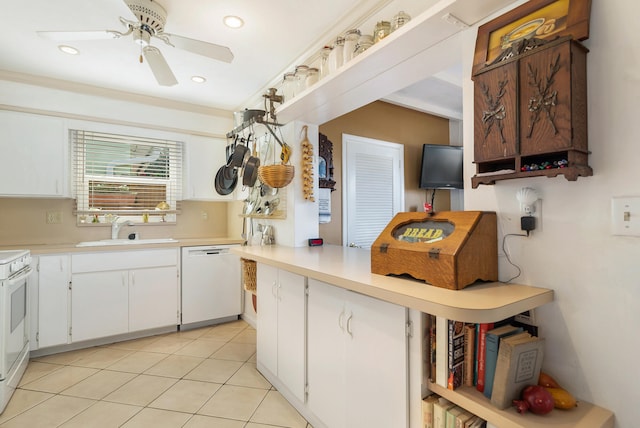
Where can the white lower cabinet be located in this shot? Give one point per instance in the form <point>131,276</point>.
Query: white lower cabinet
<point>99,304</point>
<point>281,326</point>
<point>122,292</point>
<point>52,316</point>
<point>357,359</point>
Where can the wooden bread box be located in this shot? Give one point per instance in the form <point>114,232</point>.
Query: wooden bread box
<point>448,249</point>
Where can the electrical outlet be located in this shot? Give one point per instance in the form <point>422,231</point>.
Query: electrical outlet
<point>204,215</point>
<point>54,217</point>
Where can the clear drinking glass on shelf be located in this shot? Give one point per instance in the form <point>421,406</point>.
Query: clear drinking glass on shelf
<point>312,76</point>
<point>336,56</point>
<point>301,78</point>
<point>350,41</point>
<point>364,42</point>
<point>382,30</point>
<point>325,52</point>
<point>288,86</point>
<point>399,20</point>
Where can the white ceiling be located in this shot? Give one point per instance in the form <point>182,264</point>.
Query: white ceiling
<point>277,35</point>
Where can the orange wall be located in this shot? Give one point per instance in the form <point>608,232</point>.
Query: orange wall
<point>387,122</point>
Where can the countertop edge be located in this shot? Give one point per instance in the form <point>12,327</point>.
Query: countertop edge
<point>61,248</point>
<point>350,269</point>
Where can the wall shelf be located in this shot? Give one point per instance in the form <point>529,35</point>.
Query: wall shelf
<point>419,49</point>
<point>586,415</point>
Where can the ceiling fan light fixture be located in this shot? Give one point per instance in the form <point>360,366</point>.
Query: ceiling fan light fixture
<point>233,21</point>
<point>70,50</point>
<point>198,79</point>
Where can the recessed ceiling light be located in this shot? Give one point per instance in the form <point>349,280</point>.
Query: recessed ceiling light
<point>69,50</point>
<point>233,21</point>
<point>198,79</point>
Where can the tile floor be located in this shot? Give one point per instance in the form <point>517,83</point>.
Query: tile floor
<point>192,379</point>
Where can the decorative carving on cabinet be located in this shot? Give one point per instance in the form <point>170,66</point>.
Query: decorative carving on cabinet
<point>496,112</point>
<point>325,164</point>
<point>544,99</point>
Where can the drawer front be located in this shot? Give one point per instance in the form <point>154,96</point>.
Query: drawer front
<point>123,260</point>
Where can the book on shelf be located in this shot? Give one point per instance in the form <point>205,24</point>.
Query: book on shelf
<point>432,348</point>
<point>427,410</point>
<point>481,354</point>
<point>440,408</point>
<point>471,421</point>
<point>492,339</point>
<point>463,418</point>
<point>442,339</point>
<point>455,353</point>
<point>518,365</point>
<point>469,353</point>
<point>451,416</point>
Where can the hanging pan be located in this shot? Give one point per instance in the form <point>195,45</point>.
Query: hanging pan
<point>224,185</point>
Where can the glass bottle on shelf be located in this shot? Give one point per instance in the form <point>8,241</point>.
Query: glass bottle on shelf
<point>288,86</point>
<point>336,56</point>
<point>324,61</point>
<point>399,20</point>
<point>312,76</point>
<point>301,78</point>
<point>350,41</point>
<point>382,30</point>
<point>364,42</point>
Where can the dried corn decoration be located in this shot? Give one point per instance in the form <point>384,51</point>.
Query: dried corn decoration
<point>307,167</point>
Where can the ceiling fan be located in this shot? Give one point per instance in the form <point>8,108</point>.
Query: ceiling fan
<point>150,19</point>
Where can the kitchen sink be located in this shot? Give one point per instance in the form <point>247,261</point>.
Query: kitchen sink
<point>105,242</point>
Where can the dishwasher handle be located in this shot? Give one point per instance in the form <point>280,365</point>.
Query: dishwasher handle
<point>208,252</point>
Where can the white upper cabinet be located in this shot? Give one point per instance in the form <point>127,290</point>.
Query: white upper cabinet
<point>203,157</point>
<point>34,155</point>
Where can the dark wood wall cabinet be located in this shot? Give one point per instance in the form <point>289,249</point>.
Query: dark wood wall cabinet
<point>530,115</point>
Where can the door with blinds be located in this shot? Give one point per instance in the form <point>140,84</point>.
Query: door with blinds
<point>373,174</point>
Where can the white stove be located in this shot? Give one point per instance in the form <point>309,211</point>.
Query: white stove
<point>15,269</point>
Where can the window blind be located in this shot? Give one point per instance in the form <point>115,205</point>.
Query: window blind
<point>125,175</point>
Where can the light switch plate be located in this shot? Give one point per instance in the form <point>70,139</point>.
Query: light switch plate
<point>625,215</point>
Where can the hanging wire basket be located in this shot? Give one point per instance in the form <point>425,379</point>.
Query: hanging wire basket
<point>276,176</point>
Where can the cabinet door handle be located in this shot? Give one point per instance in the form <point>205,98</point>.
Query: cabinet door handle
<point>273,290</point>
<point>341,320</point>
<point>349,325</point>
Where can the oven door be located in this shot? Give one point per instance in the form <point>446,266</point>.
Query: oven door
<point>15,322</point>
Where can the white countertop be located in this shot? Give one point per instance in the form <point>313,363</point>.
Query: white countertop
<point>350,268</point>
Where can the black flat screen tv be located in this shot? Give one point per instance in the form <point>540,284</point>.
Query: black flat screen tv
<point>441,167</point>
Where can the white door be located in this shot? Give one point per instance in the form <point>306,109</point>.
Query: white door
<point>326,357</point>
<point>153,298</point>
<point>53,300</point>
<point>99,305</point>
<point>377,363</point>
<point>373,174</point>
<point>267,315</point>
<point>291,331</point>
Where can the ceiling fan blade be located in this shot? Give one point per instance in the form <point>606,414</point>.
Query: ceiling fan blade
<point>78,35</point>
<point>210,50</point>
<point>159,66</point>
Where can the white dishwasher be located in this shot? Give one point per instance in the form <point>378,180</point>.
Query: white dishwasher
<point>211,284</point>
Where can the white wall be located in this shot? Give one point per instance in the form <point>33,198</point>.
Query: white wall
<point>591,327</point>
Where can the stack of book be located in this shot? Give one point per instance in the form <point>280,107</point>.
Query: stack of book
<point>498,359</point>
<point>441,413</point>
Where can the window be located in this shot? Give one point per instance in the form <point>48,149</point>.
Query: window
<point>136,178</point>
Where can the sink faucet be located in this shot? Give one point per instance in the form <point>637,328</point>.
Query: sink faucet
<point>115,227</point>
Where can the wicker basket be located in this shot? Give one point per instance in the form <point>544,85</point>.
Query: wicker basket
<point>276,176</point>
<point>249,275</point>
